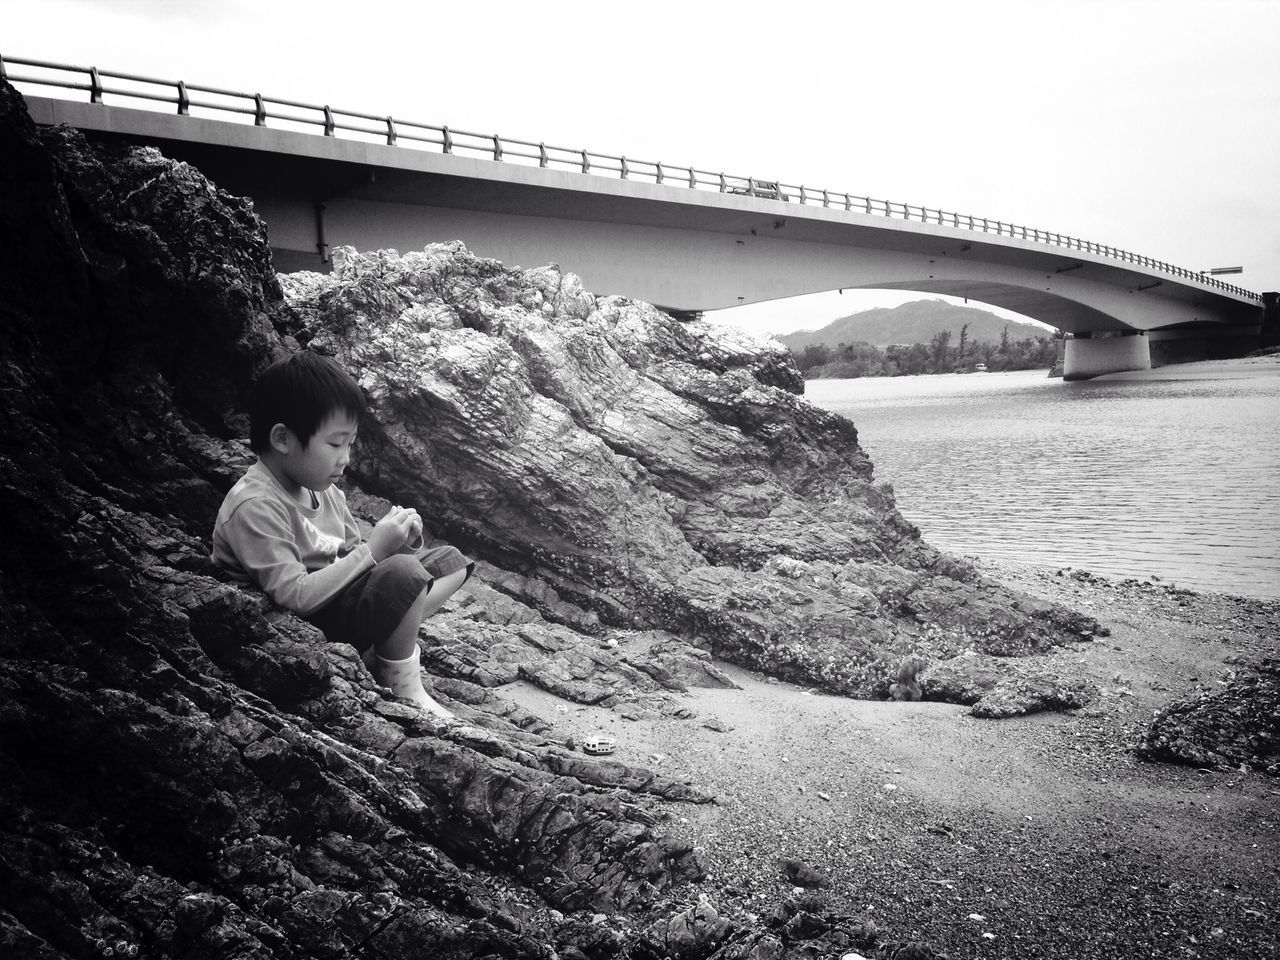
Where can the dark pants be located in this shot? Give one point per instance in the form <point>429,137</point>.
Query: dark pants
<point>371,606</point>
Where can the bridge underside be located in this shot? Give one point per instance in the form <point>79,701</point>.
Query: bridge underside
<point>681,249</point>
<point>696,269</point>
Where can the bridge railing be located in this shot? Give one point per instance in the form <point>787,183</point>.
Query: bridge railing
<point>332,121</point>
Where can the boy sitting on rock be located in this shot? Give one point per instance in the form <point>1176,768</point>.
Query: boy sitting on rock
<point>286,527</point>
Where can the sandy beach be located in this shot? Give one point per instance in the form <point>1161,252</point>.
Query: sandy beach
<point>1040,836</point>
<point>1262,365</point>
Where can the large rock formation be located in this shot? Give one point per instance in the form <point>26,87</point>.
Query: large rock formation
<point>191,771</point>
<point>642,471</point>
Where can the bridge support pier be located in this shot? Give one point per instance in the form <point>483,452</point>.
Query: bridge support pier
<point>1092,356</point>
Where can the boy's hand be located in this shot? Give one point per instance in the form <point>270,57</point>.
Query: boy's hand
<point>393,531</point>
<point>415,532</point>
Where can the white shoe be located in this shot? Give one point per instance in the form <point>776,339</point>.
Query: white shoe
<point>404,677</point>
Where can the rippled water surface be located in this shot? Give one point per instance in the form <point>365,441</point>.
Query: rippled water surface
<point>1173,473</point>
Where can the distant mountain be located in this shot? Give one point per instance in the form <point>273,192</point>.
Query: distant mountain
<point>914,322</point>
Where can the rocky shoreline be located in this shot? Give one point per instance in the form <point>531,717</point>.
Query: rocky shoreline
<point>1051,835</point>
<point>673,544</point>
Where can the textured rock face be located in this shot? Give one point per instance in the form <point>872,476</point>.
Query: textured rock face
<point>1237,727</point>
<point>191,771</point>
<point>187,770</point>
<point>652,473</point>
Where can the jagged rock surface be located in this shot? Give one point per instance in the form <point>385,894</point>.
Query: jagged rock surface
<point>647,472</point>
<point>997,688</point>
<point>191,771</point>
<point>187,769</point>
<point>1237,727</point>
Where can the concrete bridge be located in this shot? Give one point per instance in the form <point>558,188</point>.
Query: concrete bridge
<point>685,239</point>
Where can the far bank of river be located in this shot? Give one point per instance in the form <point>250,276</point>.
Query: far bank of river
<point>1166,473</point>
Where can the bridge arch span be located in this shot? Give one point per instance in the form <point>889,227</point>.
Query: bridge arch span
<point>688,269</point>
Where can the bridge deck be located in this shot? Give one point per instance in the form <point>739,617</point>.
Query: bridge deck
<point>679,247</point>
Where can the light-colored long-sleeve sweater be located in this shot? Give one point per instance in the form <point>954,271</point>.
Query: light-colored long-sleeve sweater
<point>301,556</point>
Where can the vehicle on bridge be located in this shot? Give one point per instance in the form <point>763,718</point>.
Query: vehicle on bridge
<point>767,189</point>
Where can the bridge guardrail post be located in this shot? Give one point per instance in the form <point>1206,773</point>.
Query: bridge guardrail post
<point>328,121</point>
<point>724,188</point>
<point>659,165</point>
<point>95,86</point>
<point>586,162</point>
<point>693,181</point>
<point>184,102</point>
<point>447,140</point>
<point>542,154</point>
<point>259,111</point>
<point>497,147</point>
<point>391,131</point>
<point>623,169</point>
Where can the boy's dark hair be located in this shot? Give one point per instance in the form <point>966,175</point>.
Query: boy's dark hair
<point>301,391</point>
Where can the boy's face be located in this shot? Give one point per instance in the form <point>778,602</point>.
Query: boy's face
<point>317,465</point>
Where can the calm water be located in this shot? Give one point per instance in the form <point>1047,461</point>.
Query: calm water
<point>1173,473</point>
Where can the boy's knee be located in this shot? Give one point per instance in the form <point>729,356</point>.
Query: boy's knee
<point>405,571</point>
<point>453,580</point>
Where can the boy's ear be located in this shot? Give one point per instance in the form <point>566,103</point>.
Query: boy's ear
<point>280,438</point>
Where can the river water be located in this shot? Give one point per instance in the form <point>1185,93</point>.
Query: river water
<point>1172,473</point>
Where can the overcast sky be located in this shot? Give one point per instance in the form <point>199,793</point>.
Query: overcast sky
<point>1151,125</point>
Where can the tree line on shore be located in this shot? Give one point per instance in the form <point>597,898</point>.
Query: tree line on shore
<point>939,355</point>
